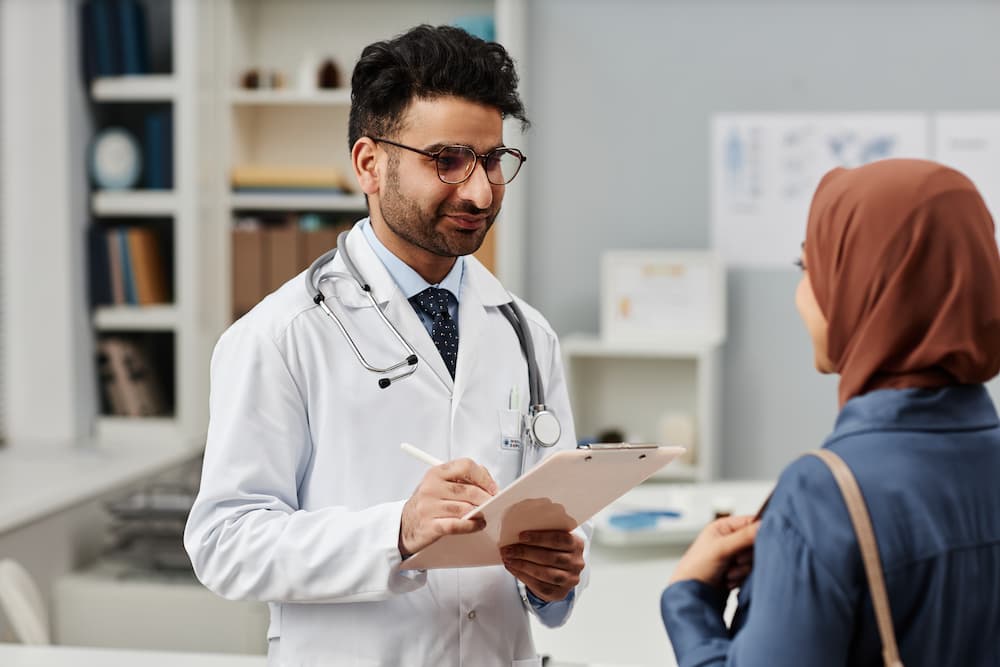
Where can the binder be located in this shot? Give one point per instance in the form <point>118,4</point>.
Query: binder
<point>100,267</point>
<point>283,262</point>
<point>247,269</point>
<point>147,267</point>
<point>560,493</point>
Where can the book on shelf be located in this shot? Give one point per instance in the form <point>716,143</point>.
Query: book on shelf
<point>127,267</point>
<point>158,140</point>
<point>129,382</point>
<point>114,38</point>
<point>100,286</point>
<point>148,270</point>
<point>247,268</point>
<point>128,276</point>
<point>135,40</point>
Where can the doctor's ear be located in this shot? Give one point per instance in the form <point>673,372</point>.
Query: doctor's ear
<point>364,159</point>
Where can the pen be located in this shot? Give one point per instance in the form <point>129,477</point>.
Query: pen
<point>419,454</point>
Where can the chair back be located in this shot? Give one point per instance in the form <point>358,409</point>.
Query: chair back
<point>22,604</point>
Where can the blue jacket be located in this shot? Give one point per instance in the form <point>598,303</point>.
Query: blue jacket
<point>928,463</point>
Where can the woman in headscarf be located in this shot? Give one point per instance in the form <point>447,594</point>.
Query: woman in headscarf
<point>900,294</point>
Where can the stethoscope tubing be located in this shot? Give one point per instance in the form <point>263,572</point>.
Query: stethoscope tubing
<point>511,311</point>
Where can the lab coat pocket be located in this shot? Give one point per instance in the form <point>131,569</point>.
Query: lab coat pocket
<point>510,430</point>
<point>529,662</point>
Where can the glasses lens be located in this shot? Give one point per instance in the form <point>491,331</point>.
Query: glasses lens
<point>502,165</point>
<point>455,163</point>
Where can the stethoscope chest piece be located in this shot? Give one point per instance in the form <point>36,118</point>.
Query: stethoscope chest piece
<point>544,427</point>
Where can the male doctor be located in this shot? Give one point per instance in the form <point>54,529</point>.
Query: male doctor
<point>306,501</point>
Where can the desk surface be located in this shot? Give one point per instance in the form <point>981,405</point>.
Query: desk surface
<point>16,655</point>
<point>39,479</point>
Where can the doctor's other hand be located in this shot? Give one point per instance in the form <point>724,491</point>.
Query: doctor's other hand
<point>548,562</point>
<point>446,494</point>
<point>721,554</point>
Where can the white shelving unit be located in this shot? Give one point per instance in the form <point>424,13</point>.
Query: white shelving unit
<point>295,202</point>
<point>134,203</point>
<point>632,387</point>
<point>188,323</point>
<point>145,88</point>
<point>136,318</point>
<point>338,97</point>
<point>299,126</point>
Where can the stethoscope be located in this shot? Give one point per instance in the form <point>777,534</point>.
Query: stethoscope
<point>539,428</point>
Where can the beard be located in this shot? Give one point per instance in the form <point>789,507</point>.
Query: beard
<point>406,219</point>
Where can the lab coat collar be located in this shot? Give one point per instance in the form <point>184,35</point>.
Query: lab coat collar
<point>394,303</point>
<point>489,290</point>
<point>410,282</point>
<point>373,272</point>
<point>480,290</point>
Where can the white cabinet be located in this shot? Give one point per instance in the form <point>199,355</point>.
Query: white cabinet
<point>106,606</point>
<point>645,391</point>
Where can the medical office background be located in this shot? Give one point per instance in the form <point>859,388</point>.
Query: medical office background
<point>621,96</point>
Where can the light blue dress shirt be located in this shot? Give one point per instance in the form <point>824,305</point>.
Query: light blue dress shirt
<point>411,283</point>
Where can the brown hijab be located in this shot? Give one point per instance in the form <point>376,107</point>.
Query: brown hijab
<point>903,261</point>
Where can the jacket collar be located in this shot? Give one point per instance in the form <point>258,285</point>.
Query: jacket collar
<point>958,407</point>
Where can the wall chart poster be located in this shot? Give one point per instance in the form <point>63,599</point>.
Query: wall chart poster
<point>765,169</point>
<point>970,142</point>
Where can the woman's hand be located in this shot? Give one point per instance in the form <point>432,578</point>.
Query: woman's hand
<point>721,556</point>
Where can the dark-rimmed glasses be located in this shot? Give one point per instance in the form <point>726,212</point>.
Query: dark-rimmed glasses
<point>455,164</point>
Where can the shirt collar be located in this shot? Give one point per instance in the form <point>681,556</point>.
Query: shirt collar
<point>956,407</point>
<point>410,282</point>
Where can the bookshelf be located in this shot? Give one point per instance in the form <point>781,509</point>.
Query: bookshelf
<point>174,328</point>
<point>218,124</point>
<point>302,125</point>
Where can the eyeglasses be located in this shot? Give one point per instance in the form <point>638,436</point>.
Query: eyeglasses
<point>455,164</point>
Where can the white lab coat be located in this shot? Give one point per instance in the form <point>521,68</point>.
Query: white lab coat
<point>304,482</point>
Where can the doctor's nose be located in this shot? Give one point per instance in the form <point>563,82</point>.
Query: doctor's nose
<point>477,189</point>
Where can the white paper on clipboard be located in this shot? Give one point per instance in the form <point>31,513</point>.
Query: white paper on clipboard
<point>560,493</point>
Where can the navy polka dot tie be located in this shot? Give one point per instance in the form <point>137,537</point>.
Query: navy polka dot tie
<point>434,301</point>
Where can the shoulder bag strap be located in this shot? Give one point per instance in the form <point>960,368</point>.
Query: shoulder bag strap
<point>869,551</point>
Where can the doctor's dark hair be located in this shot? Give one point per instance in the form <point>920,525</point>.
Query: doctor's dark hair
<point>425,63</point>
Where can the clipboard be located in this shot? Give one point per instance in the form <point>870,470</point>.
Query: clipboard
<point>560,493</point>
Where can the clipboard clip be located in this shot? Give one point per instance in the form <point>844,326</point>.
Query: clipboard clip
<point>604,446</point>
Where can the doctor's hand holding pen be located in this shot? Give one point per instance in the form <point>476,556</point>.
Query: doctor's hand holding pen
<point>447,492</point>
<point>547,562</point>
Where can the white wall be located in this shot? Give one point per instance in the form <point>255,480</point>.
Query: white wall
<point>621,95</point>
<point>47,360</point>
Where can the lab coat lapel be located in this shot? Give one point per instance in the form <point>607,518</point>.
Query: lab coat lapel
<point>480,291</point>
<point>396,306</point>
